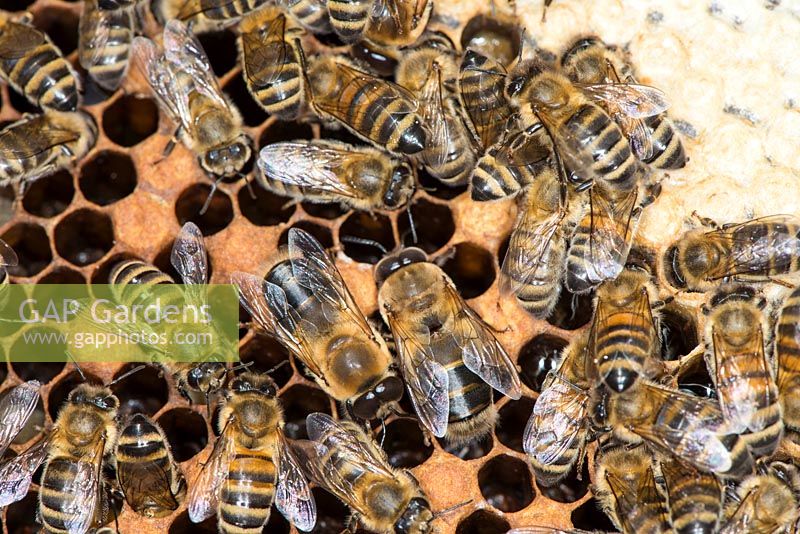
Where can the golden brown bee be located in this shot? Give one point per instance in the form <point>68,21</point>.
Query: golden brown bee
<point>695,498</point>
<point>690,428</point>
<point>304,303</point>
<point>626,488</point>
<point>104,42</point>
<point>273,62</point>
<point>148,476</point>
<point>71,495</point>
<point>590,64</point>
<point>481,89</point>
<point>787,355</point>
<point>752,251</point>
<point>737,361</point>
<point>383,22</point>
<point>765,502</point>
<point>34,66</point>
<point>363,178</point>
<point>38,145</point>
<point>181,78</point>
<point>251,464</point>
<point>533,268</point>
<point>430,71</point>
<point>16,474</point>
<point>624,342</point>
<point>344,460</point>
<point>449,358</point>
<point>556,433</point>
<point>379,111</point>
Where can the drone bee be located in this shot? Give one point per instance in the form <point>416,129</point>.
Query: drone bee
<point>363,178</point>
<point>383,22</point>
<point>251,464</point>
<point>695,498</point>
<point>104,43</point>
<point>39,145</point>
<point>16,474</point>
<point>449,358</point>
<point>765,502</point>
<point>34,66</point>
<point>186,89</point>
<point>344,460</point>
<point>306,306</point>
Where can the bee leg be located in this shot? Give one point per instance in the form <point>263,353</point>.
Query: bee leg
<point>352,525</point>
<point>705,221</point>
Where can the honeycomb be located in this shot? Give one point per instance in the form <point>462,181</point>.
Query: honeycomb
<point>730,72</point>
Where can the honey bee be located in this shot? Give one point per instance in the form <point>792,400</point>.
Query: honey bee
<point>737,360</point>
<point>148,476</point>
<point>591,64</point>
<point>765,502</point>
<point>311,14</point>
<point>306,306</point>
<point>557,430</point>
<point>34,66</point>
<point>695,498</point>
<point>533,268</point>
<point>383,22</point>
<point>787,355</point>
<point>379,111</point>
<point>626,488</point>
<point>449,358</point>
<point>323,171</point>
<point>624,334</point>
<point>251,464</point>
<point>185,86</point>
<point>39,145</point>
<point>590,144</point>
<point>8,258</point>
<point>481,88</point>
<point>16,474</point>
<point>273,62</point>
<point>104,42</point>
<point>676,423</point>
<point>752,251</point>
<point>344,460</point>
<point>427,71</point>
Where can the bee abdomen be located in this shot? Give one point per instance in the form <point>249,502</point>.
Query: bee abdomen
<point>110,66</point>
<point>228,10</point>
<point>310,13</point>
<point>469,395</point>
<point>778,249</point>
<point>349,18</point>
<point>130,278</point>
<point>56,491</point>
<point>492,180</point>
<point>284,97</point>
<point>246,496</point>
<point>668,152</point>
<point>694,502</point>
<point>45,78</point>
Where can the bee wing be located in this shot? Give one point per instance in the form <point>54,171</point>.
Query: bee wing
<point>82,492</point>
<point>203,496</point>
<point>558,419</point>
<point>146,484</point>
<point>17,39</point>
<point>485,119</point>
<point>292,495</point>
<point>435,118</point>
<point>312,166</point>
<point>332,434</point>
<point>16,474</point>
<point>8,258</point>
<point>632,99</point>
<point>171,95</point>
<point>190,259</point>
<point>94,32</point>
<point>258,53</point>
<point>523,148</point>
<point>629,500</point>
<point>29,138</point>
<point>483,354</point>
<point>639,136</point>
<point>426,379</point>
<point>15,410</point>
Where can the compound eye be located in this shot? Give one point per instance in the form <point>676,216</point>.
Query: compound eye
<point>366,406</point>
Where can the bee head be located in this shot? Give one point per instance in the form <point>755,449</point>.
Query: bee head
<point>396,261</point>
<point>257,383</point>
<point>97,396</point>
<point>400,187</point>
<point>416,518</point>
<point>368,405</point>
<point>206,377</point>
<point>522,75</point>
<point>227,160</point>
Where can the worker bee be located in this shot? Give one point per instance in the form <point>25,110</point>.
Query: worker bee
<point>626,488</point>
<point>251,464</point>
<point>34,66</point>
<point>72,497</point>
<point>676,423</point>
<point>383,22</point>
<point>765,502</point>
<point>104,42</point>
<point>185,86</point>
<point>323,171</point>
<point>344,460</point>
<point>427,71</point>
<point>533,268</point>
<point>591,64</point>
<point>624,334</point>
<point>148,476</point>
<point>694,497</point>
<point>737,361</point>
<point>449,358</point>
<point>590,144</point>
<point>379,111</point>
<point>273,62</point>
<point>16,474</point>
<point>787,355</point>
<point>557,430</point>
<point>752,251</point>
<point>39,145</point>
<point>304,303</point>
<point>481,88</point>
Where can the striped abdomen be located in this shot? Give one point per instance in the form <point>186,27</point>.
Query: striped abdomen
<point>695,498</point>
<point>216,10</point>
<point>493,180</point>
<point>349,18</point>
<point>765,248</point>
<point>40,72</point>
<point>56,494</point>
<point>668,152</point>
<point>482,86</point>
<point>624,339</point>
<point>130,280</point>
<point>246,494</point>
<point>648,514</point>
<point>107,65</point>
<point>277,85</point>
<point>453,162</point>
<point>596,135</point>
<point>787,355</point>
<point>313,14</point>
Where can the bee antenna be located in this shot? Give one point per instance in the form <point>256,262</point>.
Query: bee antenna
<point>205,207</point>
<point>363,241</point>
<point>123,376</point>
<point>276,367</point>
<point>242,366</point>
<point>449,509</point>
<point>78,367</point>
<point>411,226</point>
<point>383,431</point>
<point>249,183</point>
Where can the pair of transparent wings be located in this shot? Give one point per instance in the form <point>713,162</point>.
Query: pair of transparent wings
<point>263,49</point>
<point>32,136</point>
<point>8,258</point>
<point>631,495</point>
<point>293,496</point>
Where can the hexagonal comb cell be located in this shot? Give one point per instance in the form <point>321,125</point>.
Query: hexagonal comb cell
<point>299,401</point>
<point>32,246</point>
<point>569,489</point>
<point>678,333</point>
<point>405,443</point>
<point>433,224</point>
<point>513,417</point>
<point>50,195</point>
<point>44,372</point>
<point>277,131</point>
<point>145,391</point>
<point>359,229</point>
<point>186,432</point>
<point>191,201</point>
<point>220,47</point>
<point>130,119</point>
<point>482,522</point>
<point>84,236</point>
<point>471,268</point>
<point>572,311</point>
<point>538,357</point>
<point>108,177</point>
<point>506,483</point>
<point>473,449</point>
<point>61,25</point>
<point>266,209</point>
<point>589,516</point>
<point>320,233</point>
<point>266,354</point>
